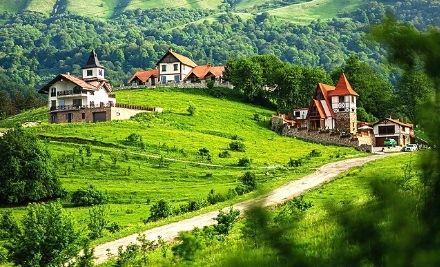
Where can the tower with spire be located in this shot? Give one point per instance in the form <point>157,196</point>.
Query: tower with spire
<point>93,70</point>
<point>344,105</point>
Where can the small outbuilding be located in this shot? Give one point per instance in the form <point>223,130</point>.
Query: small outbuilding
<point>390,128</point>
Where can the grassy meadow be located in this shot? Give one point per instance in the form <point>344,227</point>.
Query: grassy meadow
<point>318,232</point>
<point>301,12</point>
<point>169,167</point>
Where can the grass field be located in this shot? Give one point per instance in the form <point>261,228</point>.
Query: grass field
<point>169,166</point>
<point>103,9</point>
<point>304,13</point>
<point>317,231</point>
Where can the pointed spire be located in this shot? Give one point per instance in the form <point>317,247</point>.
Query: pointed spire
<point>93,61</point>
<point>343,87</point>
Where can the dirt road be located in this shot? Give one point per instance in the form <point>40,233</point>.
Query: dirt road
<point>280,195</point>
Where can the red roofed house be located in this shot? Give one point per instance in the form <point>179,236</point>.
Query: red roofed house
<point>334,107</point>
<point>145,77</point>
<point>75,99</point>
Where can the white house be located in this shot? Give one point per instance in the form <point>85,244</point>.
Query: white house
<point>75,99</point>
<point>173,67</point>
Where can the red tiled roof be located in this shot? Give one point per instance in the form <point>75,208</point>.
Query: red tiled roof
<point>144,75</point>
<point>203,71</point>
<point>320,109</point>
<point>94,85</point>
<point>343,87</point>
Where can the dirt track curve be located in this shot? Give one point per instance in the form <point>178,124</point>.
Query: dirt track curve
<point>278,196</point>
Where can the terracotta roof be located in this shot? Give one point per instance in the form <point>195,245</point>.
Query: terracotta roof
<point>144,75</point>
<point>325,89</point>
<point>396,122</point>
<point>184,60</point>
<point>87,85</point>
<point>202,71</point>
<point>320,109</point>
<point>343,87</point>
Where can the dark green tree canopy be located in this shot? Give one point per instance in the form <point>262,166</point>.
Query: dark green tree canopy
<point>26,170</point>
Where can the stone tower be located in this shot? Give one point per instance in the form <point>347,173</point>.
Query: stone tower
<point>344,105</point>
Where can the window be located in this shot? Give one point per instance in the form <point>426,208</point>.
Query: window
<point>164,67</point>
<point>100,72</point>
<point>341,99</point>
<point>61,102</point>
<point>53,118</point>
<point>92,104</point>
<point>89,72</point>
<point>83,116</point>
<point>176,78</point>
<point>53,91</point>
<point>352,99</point>
<point>77,102</point>
<point>163,79</point>
<point>385,130</point>
<point>176,67</point>
<point>297,114</point>
<point>101,104</point>
<point>53,103</point>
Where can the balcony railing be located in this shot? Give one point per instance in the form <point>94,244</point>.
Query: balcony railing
<point>71,92</point>
<point>76,107</point>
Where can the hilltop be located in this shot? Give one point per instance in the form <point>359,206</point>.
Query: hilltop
<point>169,165</point>
<point>300,11</point>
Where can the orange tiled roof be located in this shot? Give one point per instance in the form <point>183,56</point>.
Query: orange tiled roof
<point>144,75</point>
<point>94,85</point>
<point>202,71</point>
<point>343,87</point>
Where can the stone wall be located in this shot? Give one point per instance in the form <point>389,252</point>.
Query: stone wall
<point>77,115</point>
<point>329,138</point>
<point>346,122</point>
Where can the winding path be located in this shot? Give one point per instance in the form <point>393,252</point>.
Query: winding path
<point>280,195</point>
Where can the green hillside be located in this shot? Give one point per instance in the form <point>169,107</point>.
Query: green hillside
<point>299,11</point>
<point>169,166</point>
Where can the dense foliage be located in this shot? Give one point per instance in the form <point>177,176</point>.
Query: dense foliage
<point>26,170</point>
<point>46,236</point>
<point>88,196</point>
<point>34,48</point>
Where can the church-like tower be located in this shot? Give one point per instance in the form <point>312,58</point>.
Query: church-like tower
<point>93,70</point>
<point>344,105</point>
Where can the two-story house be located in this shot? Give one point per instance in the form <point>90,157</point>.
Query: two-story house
<point>80,99</point>
<point>389,128</point>
<point>174,67</point>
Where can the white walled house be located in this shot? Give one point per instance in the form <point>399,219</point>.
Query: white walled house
<point>389,128</point>
<point>173,67</point>
<point>75,99</point>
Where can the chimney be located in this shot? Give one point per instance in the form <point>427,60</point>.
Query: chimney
<point>68,73</point>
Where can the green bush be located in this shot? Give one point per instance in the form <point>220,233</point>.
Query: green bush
<point>225,221</point>
<point>244,162</point>
<point>293,163</point>
<point>191,109</point>
<point>113,227</point>
<point>88,196</point>
<point>237,146</point>
<point>26,170</point>
<point>188,245</point>
<point>249,180</point>
<point>134,139</point>
<point>46,237</point>
<point>97,222</point>
<point>224,154</point>
<point>314,153</point>
<point>204,153</point>
<point>159,210</point>
<point>214,197</point>
<point>192,205</point>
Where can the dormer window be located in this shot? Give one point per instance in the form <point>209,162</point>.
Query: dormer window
<point>89,72</point>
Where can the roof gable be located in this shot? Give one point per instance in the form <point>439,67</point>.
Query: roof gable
<point>91,85</point>
<point>182,59</point>
<point>395,122</point>
<point>144,75</point>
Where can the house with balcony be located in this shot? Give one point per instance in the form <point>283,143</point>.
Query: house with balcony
<point>80,99</point>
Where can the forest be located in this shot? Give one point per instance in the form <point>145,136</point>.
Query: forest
<point>34,48</point>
